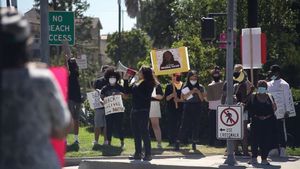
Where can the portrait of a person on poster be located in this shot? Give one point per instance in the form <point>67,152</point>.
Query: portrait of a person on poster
<point>168,61</point>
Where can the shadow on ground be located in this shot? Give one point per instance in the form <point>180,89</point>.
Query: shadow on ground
<point>108,150</point>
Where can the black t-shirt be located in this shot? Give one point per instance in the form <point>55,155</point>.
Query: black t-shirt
<point>258,108</point>
<point>100,83</point>
<point>159,91</point>
<point>141,95</point>
<point>109,90</point>
<point>195,98</point>
<point>171,104</point>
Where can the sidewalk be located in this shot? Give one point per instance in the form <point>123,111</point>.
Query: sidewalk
<point>183,162</point>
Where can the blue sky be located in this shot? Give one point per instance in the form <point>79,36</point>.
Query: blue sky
<point>106,10</point>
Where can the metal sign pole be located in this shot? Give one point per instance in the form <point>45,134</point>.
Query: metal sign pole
<point>44,32</point>
<point>229,73</point>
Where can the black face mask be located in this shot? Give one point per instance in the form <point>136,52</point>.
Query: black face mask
<point>178,78</point>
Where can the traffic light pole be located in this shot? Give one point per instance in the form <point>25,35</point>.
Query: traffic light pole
<point>229,73</point>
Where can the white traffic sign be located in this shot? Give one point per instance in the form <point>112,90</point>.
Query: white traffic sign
<point>229,122</point>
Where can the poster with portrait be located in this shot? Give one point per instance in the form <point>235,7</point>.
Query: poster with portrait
<point>169,61</point>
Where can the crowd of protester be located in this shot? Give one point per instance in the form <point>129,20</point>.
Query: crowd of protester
<point>30,91</point>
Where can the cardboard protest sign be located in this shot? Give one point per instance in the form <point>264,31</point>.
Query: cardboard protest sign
<point>214,92</point>
<point>113,104</point>
<point>82,62</point>
<point>170,61</point>
<point>94,100</point>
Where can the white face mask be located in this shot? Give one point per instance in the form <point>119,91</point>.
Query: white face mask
<point>112,80</point>
<point>193,82</point>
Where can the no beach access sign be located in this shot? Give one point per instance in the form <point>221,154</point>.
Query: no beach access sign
<point>61,27</point>
<point>229,122</point>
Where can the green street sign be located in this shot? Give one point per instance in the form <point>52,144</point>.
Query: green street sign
<point>61,27</point>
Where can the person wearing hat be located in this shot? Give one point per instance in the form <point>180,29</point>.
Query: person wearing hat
<point>243,88</point>
<point>33,109</point>
<point>214,92</point>
<point>278,85</point>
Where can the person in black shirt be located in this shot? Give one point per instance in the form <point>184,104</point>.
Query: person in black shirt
<point>261,107</point>
<point>194,95</point>
<point>114,120</point>
<point>174,107</point>
<point>74,95</point>
<point>141,98</point>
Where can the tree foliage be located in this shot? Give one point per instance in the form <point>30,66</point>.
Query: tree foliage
<point>157,20</point>
<point>133,46</point>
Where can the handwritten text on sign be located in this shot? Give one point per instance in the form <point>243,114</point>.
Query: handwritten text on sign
<point>94,99</point>
<point>113,104</point>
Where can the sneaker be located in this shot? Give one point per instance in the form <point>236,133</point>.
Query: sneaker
<point>106,142</point>
<point>194,146</point>
<point>135,157</point>
<point>265,162</point>
<point>253,161</point>
<point>95,143</point>
<point>283,152</point>
<point>147,158</point>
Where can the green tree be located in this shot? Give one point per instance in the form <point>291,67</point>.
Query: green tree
<point>157,20</point>
<point>134,46</point>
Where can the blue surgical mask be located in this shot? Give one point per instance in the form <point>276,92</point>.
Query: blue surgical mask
<point>273,77</point>
<point>262,90</point>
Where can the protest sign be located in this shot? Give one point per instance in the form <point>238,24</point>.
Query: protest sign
<point>169,61</point>
<point>94,99</point>
<point>113,104</point>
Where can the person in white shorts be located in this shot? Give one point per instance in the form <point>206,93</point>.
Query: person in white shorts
<point>155,112</point>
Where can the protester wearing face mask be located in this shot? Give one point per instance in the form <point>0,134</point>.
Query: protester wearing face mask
<point>261,106</point>
<point>114,120</point>
<point>174,107</point>
<point>279,86</point>
<point>214,93</point>
<point>194,95</point>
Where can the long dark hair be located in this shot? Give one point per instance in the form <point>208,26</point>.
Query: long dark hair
<point>165,62</point>
<point>148,76</point>
<point>187,83</point>
<point>110,72</point>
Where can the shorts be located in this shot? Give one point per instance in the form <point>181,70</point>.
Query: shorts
<point>155,109</point>
<point>74,108</point>
<point>99,118</point>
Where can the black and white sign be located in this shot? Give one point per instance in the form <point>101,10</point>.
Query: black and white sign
<point>229,122</point>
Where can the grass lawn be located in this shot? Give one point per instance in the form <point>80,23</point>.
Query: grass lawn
<point>86,138</point>
<point>85,148</point>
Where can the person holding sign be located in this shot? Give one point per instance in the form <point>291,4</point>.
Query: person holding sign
<point>114,119</point>
<point>261,107</point>
<point>174,107</point>
<point>214,93</point>
<point>141,99</point>
<point>280,89</point>
<point>194,96</point>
